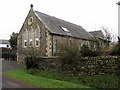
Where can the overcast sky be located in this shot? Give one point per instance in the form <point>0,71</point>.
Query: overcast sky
<point>90,14</point>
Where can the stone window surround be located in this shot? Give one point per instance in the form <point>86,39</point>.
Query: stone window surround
<point>37,39</point>
<point>30,20</point>
<point>30,36</point>
<point>33,37</point>
<point>25,38</point>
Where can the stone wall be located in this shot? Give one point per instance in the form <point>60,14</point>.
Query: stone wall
<point>86,66</point>
<point>63,39</point>
<point>26,27</point>
<point>48,44</point>
<point>49,64</point>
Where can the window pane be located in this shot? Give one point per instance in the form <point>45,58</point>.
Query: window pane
<point>24,35</point>
<point>65,29</point>
<point>30,43</point>
<point>36,43</point>
<point>30,34</point>
<point>25,38</point>
<point>25,43</point>
<point>36,33</point>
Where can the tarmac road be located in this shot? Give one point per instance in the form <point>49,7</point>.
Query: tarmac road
<point>11,65</point>
<point>7,83</point>
<point>10,83</point>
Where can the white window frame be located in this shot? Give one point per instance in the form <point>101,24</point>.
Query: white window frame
<point>65,29</point>
<point>30,42</point>
<point>81,44</point>
<point>25,43</point>
<point>36,41</point>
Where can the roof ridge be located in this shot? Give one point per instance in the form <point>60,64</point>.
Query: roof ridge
<point>53,24</point>
<point>96,31</point>
<point>57,18</point>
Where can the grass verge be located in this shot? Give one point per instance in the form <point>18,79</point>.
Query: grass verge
<point>96,81</point>
<point>39,81</point>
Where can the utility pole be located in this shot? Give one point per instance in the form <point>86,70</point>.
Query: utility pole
<point>118,18</point>
<point>118,71</point>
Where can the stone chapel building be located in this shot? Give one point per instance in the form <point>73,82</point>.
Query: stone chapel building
<point>44,32</point>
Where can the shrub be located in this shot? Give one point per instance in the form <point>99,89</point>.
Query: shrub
<point>9,54</point>
<point>85,51</point>
<point>116,48</point>
<point>69,55</point>
<point>31,56</point>
<point>31,63</point>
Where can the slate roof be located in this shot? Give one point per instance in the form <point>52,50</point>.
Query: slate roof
<point>97,34</point>
<point>54,25</point>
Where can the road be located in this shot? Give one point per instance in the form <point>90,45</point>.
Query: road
<point>7,82</point>
<point>10,83</point>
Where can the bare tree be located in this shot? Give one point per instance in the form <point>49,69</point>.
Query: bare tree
<point>31,54</point>
<point>114,38</point>
<point>118,3</point>
<point>108,35</point>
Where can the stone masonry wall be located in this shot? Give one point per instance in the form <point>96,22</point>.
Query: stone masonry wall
<point>26,27</point>
<point>62,39</point>
<point>86,66</point>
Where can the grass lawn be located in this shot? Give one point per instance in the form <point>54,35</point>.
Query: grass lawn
<point>96,81</point>
<point>40,81</point>
<point>45,79</point>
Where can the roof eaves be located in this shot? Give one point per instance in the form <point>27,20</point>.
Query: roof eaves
<point>71,36</point>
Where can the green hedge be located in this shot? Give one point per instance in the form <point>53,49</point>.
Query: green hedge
<point>9,55</point>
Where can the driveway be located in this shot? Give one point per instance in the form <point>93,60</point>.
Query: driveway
<point>11,65</point>
<point>10,83</point>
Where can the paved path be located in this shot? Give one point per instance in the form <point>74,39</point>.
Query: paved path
<point>10,83</point>
<point>11,65</point>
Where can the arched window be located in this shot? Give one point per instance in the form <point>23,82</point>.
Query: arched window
<point>25,38</point>
<point>37,37</point>
<point>30,37</point>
